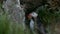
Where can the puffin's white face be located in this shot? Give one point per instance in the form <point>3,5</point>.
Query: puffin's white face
<point>34,14</point>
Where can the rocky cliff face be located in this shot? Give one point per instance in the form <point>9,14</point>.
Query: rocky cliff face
<point>15,15</point>
<point>13,9</point>
<point>31,4</point>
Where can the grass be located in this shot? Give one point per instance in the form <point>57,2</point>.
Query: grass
<point>48,17</point>
<point>5,26</point>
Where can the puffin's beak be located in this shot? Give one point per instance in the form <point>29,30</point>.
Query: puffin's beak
<point>34,14</point>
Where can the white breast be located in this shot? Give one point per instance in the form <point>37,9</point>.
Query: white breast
<point>32,24</point>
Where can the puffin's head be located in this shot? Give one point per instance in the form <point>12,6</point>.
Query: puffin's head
<point>32,14</point>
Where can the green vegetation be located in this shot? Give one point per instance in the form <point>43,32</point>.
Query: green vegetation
<point>49,17</point>
<point>6,27</point>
